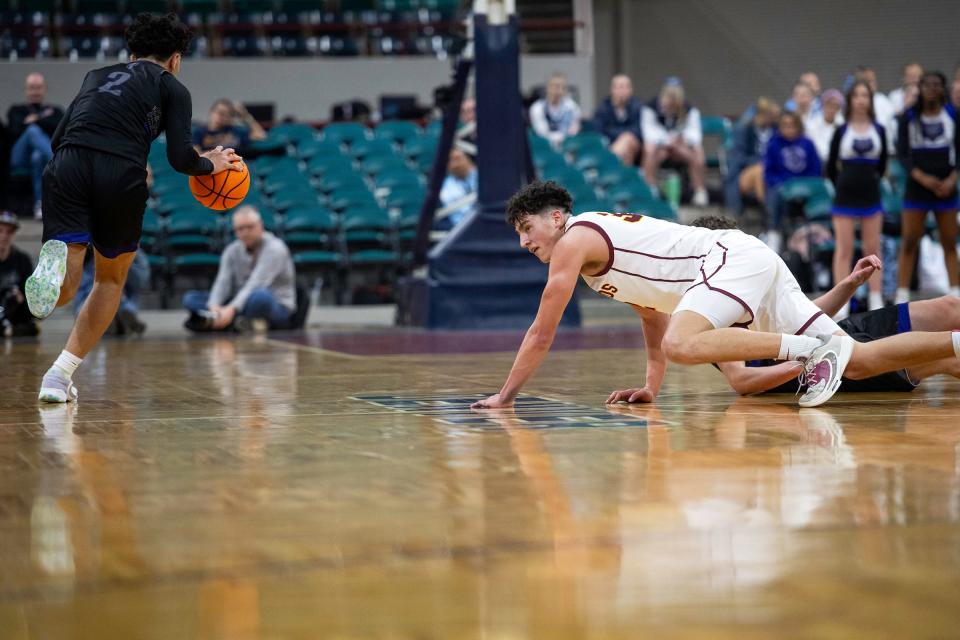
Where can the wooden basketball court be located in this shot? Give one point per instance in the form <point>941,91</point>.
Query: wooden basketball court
<point>305,487</point>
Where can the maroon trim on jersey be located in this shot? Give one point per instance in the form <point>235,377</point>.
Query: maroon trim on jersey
<point>808,323</point>
<point>637,275</point>
<point>706,281</point>
<point>598,229</point>
<point>653,255</point>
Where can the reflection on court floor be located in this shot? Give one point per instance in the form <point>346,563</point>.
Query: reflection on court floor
<point>529,412</point>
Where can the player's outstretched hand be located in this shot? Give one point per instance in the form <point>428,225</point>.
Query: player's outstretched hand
<point>222,159</point>
<point>493,402</point>
<point>865,268</point>
<point>632,396</point>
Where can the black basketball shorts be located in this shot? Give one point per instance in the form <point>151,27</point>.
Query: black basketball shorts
<point>90,196</point>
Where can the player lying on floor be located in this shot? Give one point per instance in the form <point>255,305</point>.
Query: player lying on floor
<point>696,291</point>
<point>941,314</point>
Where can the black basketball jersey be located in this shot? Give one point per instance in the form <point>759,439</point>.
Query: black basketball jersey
<point>121,109</point>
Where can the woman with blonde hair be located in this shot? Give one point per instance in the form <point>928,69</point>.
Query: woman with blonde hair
<point>672,131</point>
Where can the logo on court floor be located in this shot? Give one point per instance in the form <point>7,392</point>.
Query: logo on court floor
<point>530,412</point>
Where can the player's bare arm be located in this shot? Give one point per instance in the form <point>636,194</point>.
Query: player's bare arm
<point>832,301</point>
<point>580,249</point>
<point>654,326</point>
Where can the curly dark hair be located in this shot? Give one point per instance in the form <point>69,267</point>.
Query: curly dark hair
<point>155,36</point>
<point>715,222</point>
<point>535,198</point>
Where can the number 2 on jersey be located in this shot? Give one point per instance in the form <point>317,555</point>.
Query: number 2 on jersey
<point>117,78</point>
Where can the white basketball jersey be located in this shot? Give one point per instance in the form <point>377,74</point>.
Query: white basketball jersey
<point>652,262</point>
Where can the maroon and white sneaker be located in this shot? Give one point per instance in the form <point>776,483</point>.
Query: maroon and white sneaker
<point>824,369</point>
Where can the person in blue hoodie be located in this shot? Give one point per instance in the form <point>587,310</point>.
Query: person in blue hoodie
<point>789,154</point>
<point>618,118</point>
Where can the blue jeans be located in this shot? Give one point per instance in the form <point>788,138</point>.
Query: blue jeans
<point>137,278</point>
<point>260,304</point>
<point>775,206</point>
<point>32,152</point>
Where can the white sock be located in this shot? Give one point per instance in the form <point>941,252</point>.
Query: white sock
<point>796,347</point>
<point>876,300</point>
<point>67,363</point>
<point>843,313</point>
<point>955,292</point>
<point>903,295</point>
<point>956,343</point>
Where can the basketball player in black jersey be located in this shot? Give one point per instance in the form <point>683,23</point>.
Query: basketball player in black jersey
<point>95,189</point>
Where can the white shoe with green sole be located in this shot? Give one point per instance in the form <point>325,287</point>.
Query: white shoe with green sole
<point>43,287</point>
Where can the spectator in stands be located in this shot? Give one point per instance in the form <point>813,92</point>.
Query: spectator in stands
<point>126,321</point>
<point>31,125</point>
<point>803,99</point>
<point>821,125</point>
<point>904,96</point>
<point>255,280</point>
<point>955,94</point>
<point>790,154</point>
<point>467,131</point>
<point>856,164</point>
<point>618,118</point>
<point>812,80</point>
<point>672,132</point>
<point>15,268</point>
<point>459,189</point>
<point>555,116</point>
<point>229,125</point>
<point>882,107</point>
<point>928,146</point>
<point>745,160</point>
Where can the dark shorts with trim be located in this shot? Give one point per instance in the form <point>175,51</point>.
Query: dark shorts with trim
<point>867,327</point>
<point>94,197</point>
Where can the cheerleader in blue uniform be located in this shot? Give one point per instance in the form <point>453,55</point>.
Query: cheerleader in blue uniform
<point>855,165</point>
<point>928,147</point>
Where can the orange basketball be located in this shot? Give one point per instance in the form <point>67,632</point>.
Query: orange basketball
<point>223,190</point>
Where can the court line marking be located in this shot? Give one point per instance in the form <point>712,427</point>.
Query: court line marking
<point>318,350</point>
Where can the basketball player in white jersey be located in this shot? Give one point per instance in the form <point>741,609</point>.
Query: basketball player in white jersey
<point>696,291</point>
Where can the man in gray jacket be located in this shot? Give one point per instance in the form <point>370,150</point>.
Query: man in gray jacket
<point>255,280</point>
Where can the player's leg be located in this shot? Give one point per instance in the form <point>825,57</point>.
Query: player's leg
<point>92,321</point>
<point>939,314</point>
<point>903,351</point>
<point>692,338</point>
<point>110,275</point>
<point>947,226</point>
<point>912,222</point>
<point>944,366</point>
<point>66,232</point>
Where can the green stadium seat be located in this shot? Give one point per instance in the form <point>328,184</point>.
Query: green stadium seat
<point>421,146</point>
<point>339,180</point>
<point>372,148</point>
<point>351,198</point>
<point>583,141</point>
<point>807,188</point>
<point>294,133</point>
<point>375,165</point>
<point>345,132</point>
<point>398,131</point>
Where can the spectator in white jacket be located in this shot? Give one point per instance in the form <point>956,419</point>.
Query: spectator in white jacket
<point>672,131</point>
<point>555,116</point>
<point>820,127</point>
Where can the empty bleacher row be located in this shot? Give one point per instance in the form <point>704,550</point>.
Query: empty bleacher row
<point>302,28</point>
<point>348,199</point>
